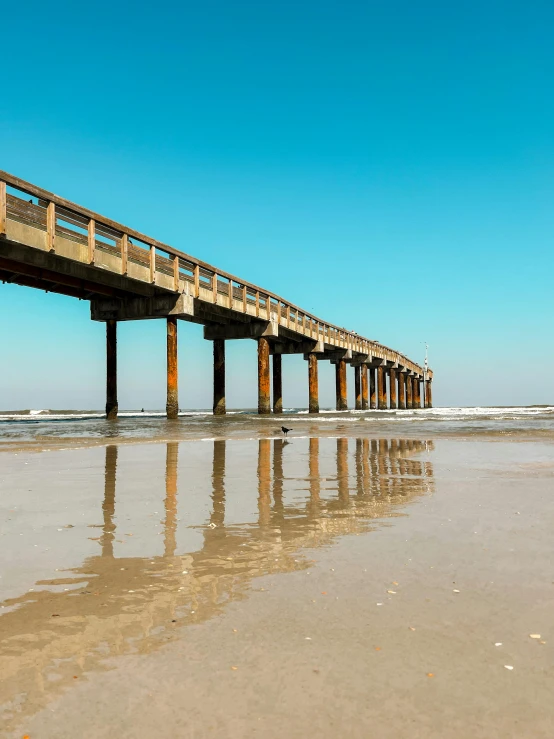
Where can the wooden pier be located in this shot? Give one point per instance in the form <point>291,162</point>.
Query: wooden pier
<point>52,244</point>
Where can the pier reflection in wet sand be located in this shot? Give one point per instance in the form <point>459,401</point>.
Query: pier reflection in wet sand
<point>308,493</point>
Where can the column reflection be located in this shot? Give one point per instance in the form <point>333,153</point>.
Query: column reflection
<point>170,503</point>
<point>108,505</point>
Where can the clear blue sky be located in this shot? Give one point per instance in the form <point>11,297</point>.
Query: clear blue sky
<point>388,166</point>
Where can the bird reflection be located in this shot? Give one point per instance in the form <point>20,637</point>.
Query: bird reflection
<point>333,488</point>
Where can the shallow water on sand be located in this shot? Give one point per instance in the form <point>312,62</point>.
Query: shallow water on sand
<point>304,587</point>
<point>55,429</point>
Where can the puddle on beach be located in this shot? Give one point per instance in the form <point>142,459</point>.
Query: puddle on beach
<point>114,553</point>
<point>116,545</point>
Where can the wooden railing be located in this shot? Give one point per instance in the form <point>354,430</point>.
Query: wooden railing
<point>98,236</point>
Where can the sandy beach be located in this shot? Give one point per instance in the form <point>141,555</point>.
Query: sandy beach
<point>324,586</point>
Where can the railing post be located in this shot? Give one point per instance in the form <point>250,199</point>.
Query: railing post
<point>51,226</point>
<point>176,274</point>
<point>288,316</point>
<point>124,253</point>
<point>3,208</point>
<point>257,302</point>
<point>214,288</point>
<point>152,264</point>
<point>244,300</point>
<point>197,281</point>
<point>91,240</point>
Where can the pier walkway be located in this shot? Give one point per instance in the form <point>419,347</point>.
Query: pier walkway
<point>52,244</point>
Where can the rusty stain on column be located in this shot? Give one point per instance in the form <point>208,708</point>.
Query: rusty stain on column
<point>219,377</point>
<point>372,389</point>
<point>365,395</point>
<point>264,399</point>
<point>392,388</point>
<point>409,392</point>
<point>172,405</point>
<point>277,383</point>
<point>111,370</point>
<point>313,385</point>
<point>340,385</point>
<point>428,394</point>
<point>382,388</point>
<point>401,390</point>
<point>358,387</point>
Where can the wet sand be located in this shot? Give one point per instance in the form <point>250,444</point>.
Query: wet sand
<point>324,587</point>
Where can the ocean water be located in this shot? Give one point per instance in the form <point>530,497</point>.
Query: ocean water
<point>46,427</point>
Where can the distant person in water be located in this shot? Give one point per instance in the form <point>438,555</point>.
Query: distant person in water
<point>142,411</point>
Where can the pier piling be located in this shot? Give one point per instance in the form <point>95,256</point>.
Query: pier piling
<point>365,396</point>
<point>313,385</point>
<point>382,388</point>
<point>372,389</point>
<point>277,383</point>
<point>111,370</point>
<point>264,400</point>
<point>428,394</point>
<point>219,377</point>
<point>358,387</point>
<point>392,388</point>
<point>409,392</point>
<point>340,384</point>
<point>402,390</point>
<point>172,405</point>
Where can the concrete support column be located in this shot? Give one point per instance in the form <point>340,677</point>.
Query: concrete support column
<point>219,377</point>
<point>172,404</point>
<point>428,394</point>
<point>416,402</point>
<point>264,400</point>
<point>409,392</point>
<point>418,393</point>
<point>277,383</point>
<point>313,385</point>
<point>340,377</point>
<point>365,394</point>
<point>111,370</point>
<point>372,389</point>
<point>358,387</point>
<point>401,390</point>
<point>382,388</point>
<point>392,388</point>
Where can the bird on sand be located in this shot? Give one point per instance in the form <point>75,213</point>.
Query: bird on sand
<point>285,430</point>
